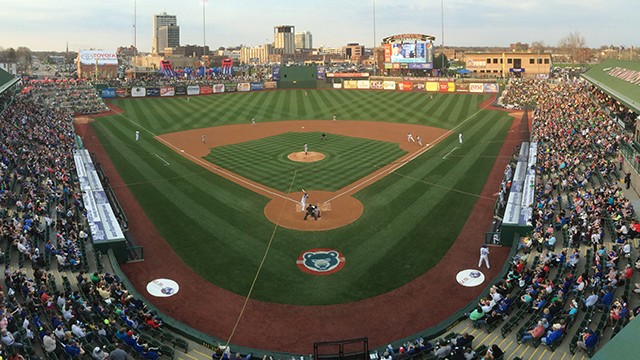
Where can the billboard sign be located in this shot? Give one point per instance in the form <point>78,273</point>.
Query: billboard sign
<point>108,93</point>
<point>230,87</point>
<point>99,57</point>
<point>193,90</point>
<point>122,92</point>
<point>350,84</point>
<point>490,87</point>
<point>153,91</point>
<point>256,86</point>
<point>206,90</point>
<point>138,92</point>
<point>376,84</point>
<point>270,85</point>
<point>432,86</point>
<point>321,72</point>
<point>181,90</point>
<point>244,87</point>
<point>275,73</point>
<point>405,85</point>
<point>463,87</point>
<point>218,88</point>
<point>389,85</point>
<point>476,87</point>
<point>167,91</point>
<point>363,84</point>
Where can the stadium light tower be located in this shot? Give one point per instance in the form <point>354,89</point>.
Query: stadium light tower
<point>204,36</point>
<point>373,48</point>
<point>442,41</point>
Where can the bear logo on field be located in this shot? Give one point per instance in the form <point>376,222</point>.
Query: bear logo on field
<point>320,261</point>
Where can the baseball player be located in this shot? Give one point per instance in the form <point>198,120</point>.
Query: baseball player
<point>253,121</point>
<point>306,148</point>
<point>137,135</point>
<point>333,118</point>
<point>419,140</point>
<point>303,201</point>
<point>204,138</point>
<point>410,138</point>
<point>484,255</point>
<point>460,138</point>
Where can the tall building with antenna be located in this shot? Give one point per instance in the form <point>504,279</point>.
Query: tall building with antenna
<point>166,33</point>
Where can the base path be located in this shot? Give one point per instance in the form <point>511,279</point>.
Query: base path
<point>339,208</point>
<point>422,303</point>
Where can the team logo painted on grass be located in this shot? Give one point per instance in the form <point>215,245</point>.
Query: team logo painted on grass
<point>320,261</point>
<point>163,287</point>
<point>470,277</point>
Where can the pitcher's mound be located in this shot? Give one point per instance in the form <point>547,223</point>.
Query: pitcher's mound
<point>311,156</point>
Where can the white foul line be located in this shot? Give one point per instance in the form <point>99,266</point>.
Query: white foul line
<point>163,160</point>
<point>454,149</point>
<point>209,165</point>
<point>411,157</point>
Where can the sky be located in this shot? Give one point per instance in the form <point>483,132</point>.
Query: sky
<point>92,24</point>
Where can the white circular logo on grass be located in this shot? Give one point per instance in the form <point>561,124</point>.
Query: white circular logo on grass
<point>470,277</point>
<point>163,288</point>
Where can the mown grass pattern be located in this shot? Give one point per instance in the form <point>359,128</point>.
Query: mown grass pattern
<point>265,161</point>
<point>411,216</point>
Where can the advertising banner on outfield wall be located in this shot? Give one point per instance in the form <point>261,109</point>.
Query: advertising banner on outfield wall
<point>443,86</point>
<point>181,90</point>
<point>275,73</point>
<point>476,87</point>
<point>418,86</point>
<point>337,85</point>
<point>405,85</point>
<point>108,93</point>
<point>464,87</point>
<point>321,72</point>
<point>376,84</point>
<point>389,85</point>
<point>490,87</point>
<point>230,87</point>
<point>153,91</point>
<point>350,84</point>
<point>363,84</point>
<point>218,88</point>
<point>244,87</point>
<point>167,91</point>
<point>138,92</point>
<point>270,85</point>
<point>256,86</point>
<point>193,90</point>
<point>123,92</point>
<point>432,86</point>
<point>206,90</point>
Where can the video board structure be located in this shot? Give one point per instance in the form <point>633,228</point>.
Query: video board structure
<point>408,51</point>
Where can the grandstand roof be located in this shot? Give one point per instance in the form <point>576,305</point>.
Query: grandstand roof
<point>621,79</point>
<point>623,345</point>
<point>6,80</point>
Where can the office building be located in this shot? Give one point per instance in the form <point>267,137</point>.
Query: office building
<point>303,40</point>
<point>170,35</point>
<point>284,39</point>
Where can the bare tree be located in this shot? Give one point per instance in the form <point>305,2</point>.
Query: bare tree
<point>24,58</point>
<point>538,47</point>
<point>572,44</point>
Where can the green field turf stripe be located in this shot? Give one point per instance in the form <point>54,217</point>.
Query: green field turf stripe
<point>314,108</point>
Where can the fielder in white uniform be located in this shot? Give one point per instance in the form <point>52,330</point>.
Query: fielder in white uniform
<point>306,148</point>
<point>137,135</point>
<point>484,255</point>
<point>410,138</point>
<point>460,138</point>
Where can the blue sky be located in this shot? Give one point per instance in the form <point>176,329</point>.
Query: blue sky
<point>49,25</point>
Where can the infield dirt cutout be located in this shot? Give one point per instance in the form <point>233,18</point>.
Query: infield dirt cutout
<point>338,208</point>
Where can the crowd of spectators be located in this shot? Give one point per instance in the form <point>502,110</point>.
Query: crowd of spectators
<point>75,96</point>
<point>42,218</point>
<point>159,80</point>
<point>579,200</point>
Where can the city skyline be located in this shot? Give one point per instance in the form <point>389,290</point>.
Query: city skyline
<point>83,25</point>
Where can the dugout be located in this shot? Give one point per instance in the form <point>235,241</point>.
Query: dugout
<point>299,77</point>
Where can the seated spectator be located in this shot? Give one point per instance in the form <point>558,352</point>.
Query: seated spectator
<point>494,353</point>
<point>534,333</point>
<point>464,340</point>
<point>588,340</point>
<point>74,349</point>
<point>552,335</point>
<point>477,316</point>
<point>98,354</point>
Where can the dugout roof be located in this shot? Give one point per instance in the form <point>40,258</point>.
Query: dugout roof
<point>7,80</point>
<point>623,345</point>
<point>620,79</point>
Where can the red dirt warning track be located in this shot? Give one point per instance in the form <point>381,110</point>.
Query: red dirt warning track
<point>413,307</point>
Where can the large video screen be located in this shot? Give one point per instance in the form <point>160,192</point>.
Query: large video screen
<point>409,52</point>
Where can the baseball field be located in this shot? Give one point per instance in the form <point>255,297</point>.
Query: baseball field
<point>224,194</point>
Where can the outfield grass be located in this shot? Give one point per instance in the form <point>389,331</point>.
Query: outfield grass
<point>265,160</point>
<point>411,217</point>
